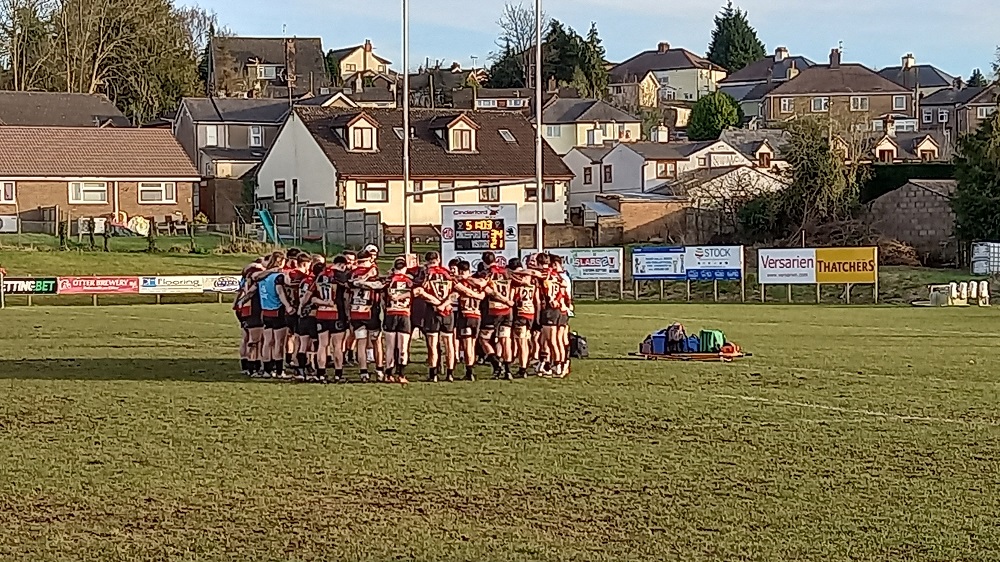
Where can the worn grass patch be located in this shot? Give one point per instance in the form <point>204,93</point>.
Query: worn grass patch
<point>852,434</point>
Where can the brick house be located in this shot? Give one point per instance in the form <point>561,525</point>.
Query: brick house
<point>919,214</point>
<point>93,172</point>
<point>844,92</point>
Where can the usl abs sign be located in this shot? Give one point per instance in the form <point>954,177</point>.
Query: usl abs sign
<point>809,266</point>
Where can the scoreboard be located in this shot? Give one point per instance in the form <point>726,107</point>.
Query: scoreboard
<point>469,230</point>
<point>480,234</point>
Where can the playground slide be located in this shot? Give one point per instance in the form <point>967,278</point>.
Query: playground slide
<point>267,220</point>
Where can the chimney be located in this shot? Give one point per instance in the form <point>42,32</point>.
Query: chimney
<point>368,45</point>
<point>889,125</point>
<point>553,86</point>
<point>660,134</point>
<point>909,61</point>
<point>290,64</point>
<point>834,58</point>
<point>792,72</point>
<point>598,136</point>
<point>780,54</point>
<point>958,84</point>
<point>663,47</point>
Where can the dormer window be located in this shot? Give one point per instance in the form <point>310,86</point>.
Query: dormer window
<point>267,72</point>
<point>362,138</point>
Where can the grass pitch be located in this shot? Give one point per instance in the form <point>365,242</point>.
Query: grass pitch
<point>852,434</point>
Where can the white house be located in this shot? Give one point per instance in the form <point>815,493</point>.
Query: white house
<point>352,158</point>
<point>666,161</point>
<point>602,170</point>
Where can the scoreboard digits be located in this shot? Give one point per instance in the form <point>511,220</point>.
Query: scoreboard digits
<point>479,234</point>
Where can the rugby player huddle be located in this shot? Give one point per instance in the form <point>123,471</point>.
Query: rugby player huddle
<point>302,317</point>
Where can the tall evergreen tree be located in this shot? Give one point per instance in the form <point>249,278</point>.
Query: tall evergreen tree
<point>592,64</point>
<point>562,51</point>
<point>977,169</point>
<point>734,41</point>
<point>977,80</point>
<point>506,70</point>
<point>332,67</point>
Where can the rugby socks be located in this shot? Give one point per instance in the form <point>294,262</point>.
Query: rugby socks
<point>244,365</point>
<point>279,368</point>
<point>432,374</point>
<point>302,359</point>
<point>451,375</point>
<point>288,359</point>
<point>469,374</point>
<point>338,375</point>
<point>399,370</point>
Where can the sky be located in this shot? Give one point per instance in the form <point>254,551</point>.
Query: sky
<point>956,36</point>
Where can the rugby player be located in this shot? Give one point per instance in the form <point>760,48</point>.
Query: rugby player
<point>525,312</point>
<point>274,307</point>
<point>375,352</point>
<point>364,288</point>
<point>247,307</point>
<point>296,271</point>
<point>498,319</point>
<point>306,330</point>
<point>471,291</point>
<point>399,299</point>
<point>562,325</point>
<point>437,288</point>
<point>554,306</point>
<point>329,298</point>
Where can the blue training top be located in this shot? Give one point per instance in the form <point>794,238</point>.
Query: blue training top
<point>268,289</point>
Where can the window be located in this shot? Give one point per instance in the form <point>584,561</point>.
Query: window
<point>530,193</point>
<point>927,155</point>
<point>702,162</point>
<point>764,160</point>
<point>906,126</point>
<point>928,115</point>
<point>448,197</point>
<point>418,191</point>
<point>787,105</point>
<point>279,190</point>
<point>88,192</point>
<point>859,103</point>
<point>507,135</point>
<point>549,192</point>
<point>608,174</point>
<point>256,136</point>
<point>668,95</point>
<point>157,192</point>
<point>985,112</point>
<point>820,105</point>
<point>517,103</point>
<point>899,103</point>
<point>463,140</point>
<point>942,116</point>
<point>878,125</point>
<point>350,67</point>
<point>489,194</point>
<point>8,194</point>
<point>665,170</point>
<point>553,131</point>
<point>486,103</point>
<point>373,192</point>
<point>588,175</point>
<point>886,156</point>
<point>267,72</point>
<point>363,138</point>
<point>211,135</point>
<point>381,68</point>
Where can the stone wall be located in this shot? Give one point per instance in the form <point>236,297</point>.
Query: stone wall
<point>920,215</point>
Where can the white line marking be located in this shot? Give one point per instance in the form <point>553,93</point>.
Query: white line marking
<point>861,412</point>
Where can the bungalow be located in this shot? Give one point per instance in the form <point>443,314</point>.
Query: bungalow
<point>94,172</point>
<point>351,158</point>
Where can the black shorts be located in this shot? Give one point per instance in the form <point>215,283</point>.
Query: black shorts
<point>374,325</point>
<point>522,322</point>
<point>493,322</point>
<point>563,319</point>
<point>250,322</point>
<point>397,324</point>
<point>467,326</point>
<point>307,327</point>
<point>550,317</point>
<point>435,323</point>
<point>292,322</point>
<point>335,326</point>
<point>274,319</point>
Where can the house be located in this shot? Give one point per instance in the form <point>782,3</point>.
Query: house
<point>893,147</point>
<point>924,79</point>
<point>94,172</point>
<point>667,161</point>
<point>438,87</point>
<point>940,110</point>
<point>586,122</point>
<point>638,92</point>
<point>611,168</point>
<point>351,158</point>
<point>56,109</point>
<point>360,58</point>
<point>267,67</point>
<point>680,74</point>
<point>763,147</point>
<point>919,214</point>
<point>346,98</point>
<point>507,99</point>
<point>751,84</point>
<point>226,137</point>
<point>848,92</point>
<point>978,109</point>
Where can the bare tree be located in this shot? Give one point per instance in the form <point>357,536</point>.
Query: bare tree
<point>200,25</point>
<point>25,43</point>
<point>517,30</point>
<point>718,201</point>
